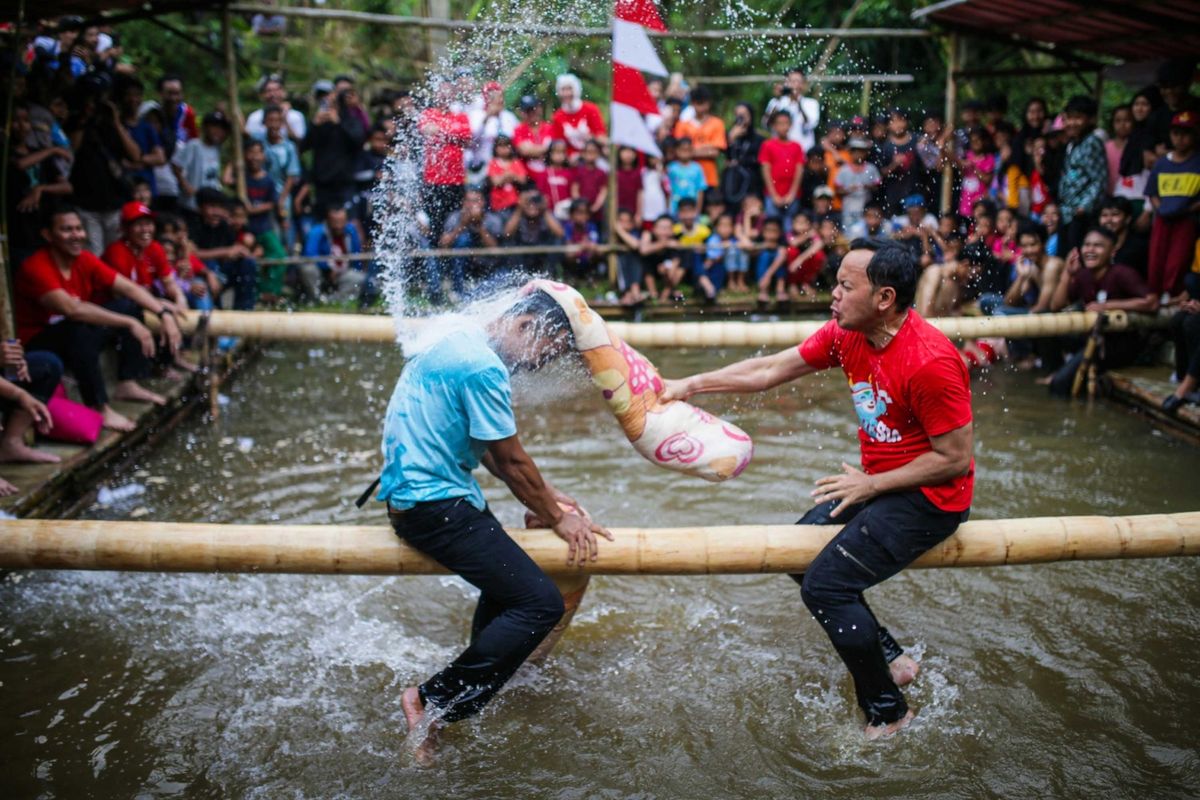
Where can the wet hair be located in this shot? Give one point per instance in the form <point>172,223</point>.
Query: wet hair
<point>549,316</point>
<point>891,265</point>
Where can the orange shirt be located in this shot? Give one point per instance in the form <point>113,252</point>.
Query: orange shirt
<point>709,133</point>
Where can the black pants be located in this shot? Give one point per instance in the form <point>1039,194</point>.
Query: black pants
<point>79,345</point>
<point>1185,330</point>
<point>881,538</point>
<point>518,603</point>
<point>45,373</point>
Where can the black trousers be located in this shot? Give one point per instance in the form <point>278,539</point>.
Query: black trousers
<point>518,603</point>
<point>79,345</point>
<point>1185,330</point>
<point>880,538</point>
<point>45,373</point>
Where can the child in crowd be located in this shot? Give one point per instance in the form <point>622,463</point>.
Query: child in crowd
<point>691,233</point>
<point>264,206</point>
<point>1174,191</point>
<point>140,192</point>
<point>283,165</point>
<point>978,167</point>
<point>591,181</point>
<point>506,174</point>
<point>686,176</point>
<point>1004,245</point>
<point>856,182</point>
<point>814,175</point>
<point>714,206</point>
<point>805,257</point>
<point>661,258</point>
<point>580,230</point>
<point>770,262</point>
<point>656,191</point>
<point>781,161</point>
<point>726,245</point>
<point>630,269</point>
<point>239,220</point>
<point>823,205</point>
<point>722,257</point>
<point>557,180</point>
<point>197,163</point>
<point>629,183</point>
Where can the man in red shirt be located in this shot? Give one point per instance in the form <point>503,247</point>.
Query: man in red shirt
<point>446,133</point>
<point>912,396</point>
<point>141,259</point>
<point>56,310</point>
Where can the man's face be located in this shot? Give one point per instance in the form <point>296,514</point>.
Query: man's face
<point>213,213</point>
<point>915,215</point>
<point>1113,219</point>
<point>1031,246</point>
<point>687,216</point>
<point>141,232</point>
<point>1074,124</point>
<point>1173,96</point>
<point>473,204</point>
<point>873,217</point>
<point>1096,251</point>
<point>21,124</point>
<point>703,107</point>
<point>530,348</point>
<point>531,204</point>
<point>273,122</point>
<point>379,143</point>
<point>172,93</point>
<point>335,221</point>
<point>855,300</point>
<point>66,234</point>
<point>797,83</point>
<point>932,127</point>
<point>272,93</point>
<point>131,99</point>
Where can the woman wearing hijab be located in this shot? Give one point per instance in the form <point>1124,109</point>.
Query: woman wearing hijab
<point>577,121</point>
<point>1138,156</point>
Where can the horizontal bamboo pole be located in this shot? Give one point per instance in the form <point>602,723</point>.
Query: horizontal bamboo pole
<point>368,18</point>
<point>318,327</point>
<point>736,80</point>
<point>733,549</point>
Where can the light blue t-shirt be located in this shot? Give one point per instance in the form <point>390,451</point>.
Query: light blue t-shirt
<point>687,180</point>
<point>450,401</point>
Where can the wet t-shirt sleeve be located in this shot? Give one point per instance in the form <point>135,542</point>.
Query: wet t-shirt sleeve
<point>820,350</point>
<point>487,400</point>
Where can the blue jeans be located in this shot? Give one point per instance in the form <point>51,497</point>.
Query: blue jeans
<point>518,603</point>
<point>880,538</point>
<point>785,213</point>
<point>736,260</point>
<point>242,275</point>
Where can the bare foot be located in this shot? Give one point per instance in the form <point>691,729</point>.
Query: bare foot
<point>873,732</point>
<point>132,391</point>
<point>414,714</point>
<point>186,366</point>
<point>904,670</point>
<point>19,451</point>
<point>116,421</point>
<point>6,488</point>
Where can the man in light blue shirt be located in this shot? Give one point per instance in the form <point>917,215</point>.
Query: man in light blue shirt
<point>452,411</point>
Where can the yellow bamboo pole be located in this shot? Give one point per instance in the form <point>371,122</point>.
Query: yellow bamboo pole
<point>731,549</point>
<point>312,326</point>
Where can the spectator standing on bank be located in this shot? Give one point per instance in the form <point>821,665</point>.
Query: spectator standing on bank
<point>781,160</point>
<point>197,164</point>
<point>804,112</point>
<point>445,133</point>
<point>707,132</point>
<point>577,121</point>
<point>488,123</point>
<point>335,138</point>
<point>1084,180</point>
<point>1174,190</point>
<point>742,175</point>
<point>532,137</point>
<point>273,94</point>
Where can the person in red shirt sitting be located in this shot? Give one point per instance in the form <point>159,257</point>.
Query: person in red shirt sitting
<point>141,259</point>
<point>577,121</point>
<point>912,396</point>
<point>56,294</point>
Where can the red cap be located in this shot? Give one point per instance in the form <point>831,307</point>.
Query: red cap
<point>1185,119</point>
<point>135,210</point>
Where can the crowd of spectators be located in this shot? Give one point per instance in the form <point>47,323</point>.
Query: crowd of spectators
<point>122,199</point>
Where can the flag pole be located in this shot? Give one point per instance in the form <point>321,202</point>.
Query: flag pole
<point>611,206</point>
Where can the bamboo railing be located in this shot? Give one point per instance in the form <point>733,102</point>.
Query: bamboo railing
<point>732,549</point>
<point>315,326</point>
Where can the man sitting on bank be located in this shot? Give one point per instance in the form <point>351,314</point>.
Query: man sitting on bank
<point>56,291</point>
<point>912,396</point>
<point>452,410</point>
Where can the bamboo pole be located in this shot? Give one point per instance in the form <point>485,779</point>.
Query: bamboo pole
<point>574,31</point>
<point>954,60</point>
<point>235,111</point>
<point>319,327</point>
<point>732,549</point>
<point>734,80</point>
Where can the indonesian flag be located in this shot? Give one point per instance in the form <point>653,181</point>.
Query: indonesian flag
<point>633,54</point>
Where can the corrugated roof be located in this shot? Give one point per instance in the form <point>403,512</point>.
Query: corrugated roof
<point>1131,30</point>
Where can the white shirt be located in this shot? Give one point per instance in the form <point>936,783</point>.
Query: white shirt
<point>293,119</point>
<point>484,130</point>
<point>804,126</point>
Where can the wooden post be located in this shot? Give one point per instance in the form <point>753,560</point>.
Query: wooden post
<point>611,209</point>
<point>952,67</point>
<point>8,327</point>
<point>235,111</point>
<point>865,105</point>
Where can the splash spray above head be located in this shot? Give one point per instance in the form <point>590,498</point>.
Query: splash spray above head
<point>531,332</point>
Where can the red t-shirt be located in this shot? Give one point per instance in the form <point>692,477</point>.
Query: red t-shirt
<point>577,127</point>
<point>592,180</point>
<point>555,184</point>
<point>785,157</point>
<point>537,136</point>
<point>914,388</point>
<point>629,184</point>
<point>444,149</point>
<point>89,279</point>
<point>505,196</point>
<point>151,266</point>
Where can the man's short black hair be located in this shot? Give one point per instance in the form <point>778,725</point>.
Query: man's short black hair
<point>1031,228</point>
<point>210,196</point>
<point>551,319</point>
<point>701,94</point>
<point>58,209</point>
<point>891,265</point>
<point>1105,232</point>
<point>776,115</point>
<point>1081,104</point>
<point>1121,204</point>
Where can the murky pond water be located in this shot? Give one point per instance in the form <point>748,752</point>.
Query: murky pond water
<point>1061,680</point>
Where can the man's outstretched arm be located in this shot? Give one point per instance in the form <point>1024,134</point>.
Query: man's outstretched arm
<point>751,375</point>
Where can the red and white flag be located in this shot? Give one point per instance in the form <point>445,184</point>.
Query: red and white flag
<point>633,54</point>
